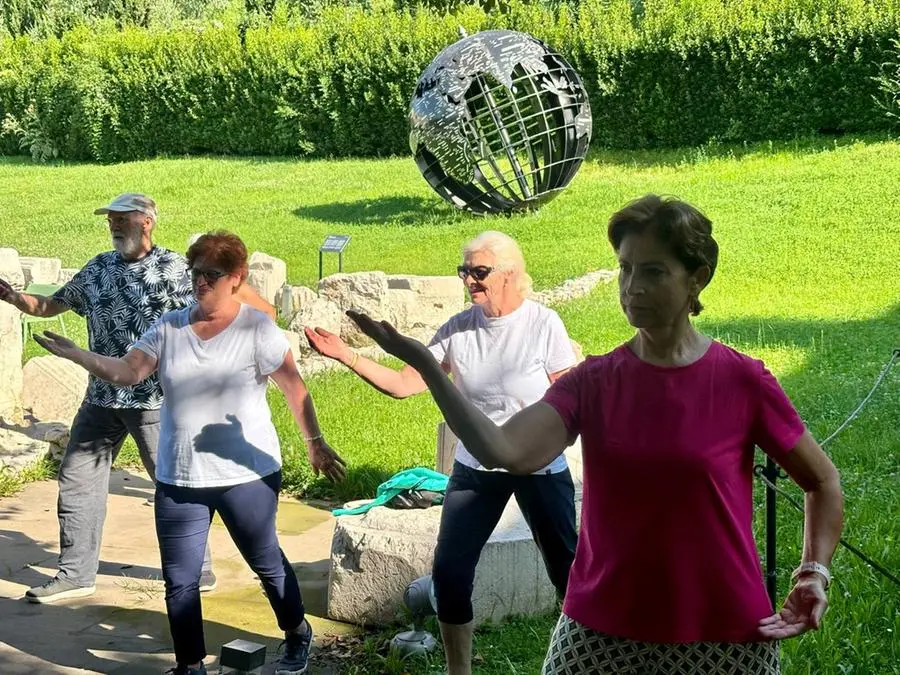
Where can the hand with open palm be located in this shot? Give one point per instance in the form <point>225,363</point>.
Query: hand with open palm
<point>328,344</point>
<point>802,611</point>
<point>58,345</point>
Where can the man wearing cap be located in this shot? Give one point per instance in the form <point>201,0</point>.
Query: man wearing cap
<point>120,293</point>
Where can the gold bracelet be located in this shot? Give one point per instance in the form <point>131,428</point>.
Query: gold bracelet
<point>353,361</point>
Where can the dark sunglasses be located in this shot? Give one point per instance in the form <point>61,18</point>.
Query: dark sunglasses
<point>211,276</point>
<point>479,272</point>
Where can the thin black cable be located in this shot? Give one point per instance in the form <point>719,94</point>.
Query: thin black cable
<point>759,470</point>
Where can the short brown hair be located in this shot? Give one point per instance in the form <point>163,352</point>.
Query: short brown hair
<point>223,248</point>
<point>682,227</point>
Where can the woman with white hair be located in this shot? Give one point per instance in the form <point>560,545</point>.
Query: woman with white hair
<point>503,353</point>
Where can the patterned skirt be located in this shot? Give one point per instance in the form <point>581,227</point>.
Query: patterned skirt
<point>577,650</point>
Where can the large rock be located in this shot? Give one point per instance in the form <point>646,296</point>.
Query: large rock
<point>291,299</point>
<point>294,341</point>
<point>10,362</point>
<point>53,388</point>
<point>267,275</point>
<point>374,556</point>
<point>18,451</point>
<point>420,305</point>
<point>11,268</point>
<point>56,435</point>
<point>424,302</point>
<point>365,292</point>
<point>40,270</point>
<point>11,340</point>
<point>320,313</point>
<point>66,274</point>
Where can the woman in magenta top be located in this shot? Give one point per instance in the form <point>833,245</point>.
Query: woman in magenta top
<point>666,577</point>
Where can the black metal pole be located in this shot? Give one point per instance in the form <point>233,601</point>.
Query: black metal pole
<point>320,265</point>
<point>771,472</point>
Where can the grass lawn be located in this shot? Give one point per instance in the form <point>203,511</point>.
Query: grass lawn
<point>807,281</point>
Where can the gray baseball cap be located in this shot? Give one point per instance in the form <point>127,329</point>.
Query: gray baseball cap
<point>130,201</point>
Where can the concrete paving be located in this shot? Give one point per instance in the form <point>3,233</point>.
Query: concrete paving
<point>122,628</point>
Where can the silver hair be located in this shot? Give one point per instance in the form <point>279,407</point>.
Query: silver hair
<point>507,255</point>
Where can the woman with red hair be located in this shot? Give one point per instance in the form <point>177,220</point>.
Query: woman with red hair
<point>218,449</point>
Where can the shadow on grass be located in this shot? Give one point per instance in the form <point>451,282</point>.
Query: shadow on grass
<point>399,210</point>
<point>843,359</point>
<point>670,157</point>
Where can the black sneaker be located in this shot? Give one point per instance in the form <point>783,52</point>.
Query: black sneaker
<point>57,589</point>
<point>182,669</point>
<point>296,653</point>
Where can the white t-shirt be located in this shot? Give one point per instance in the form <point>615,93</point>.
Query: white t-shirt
<point>502,364</point>
<point>215,425</point>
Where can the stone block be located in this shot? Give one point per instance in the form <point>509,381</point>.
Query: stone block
<point>427,286</point>
<point>18,451</point>
<point>40,270</point>
<point>267,275</point>
<point>420,302</point>
<point>56,434</point>
<point>320,313</point>
<point>294,340</point>
<point>66,274</point>
<point>53,388</point>
<point>11,268</point>
<point>291,299</point>
<point>446,449</point>
<point>365,292</point>
<point>374,557</point>
<point>10,362</point>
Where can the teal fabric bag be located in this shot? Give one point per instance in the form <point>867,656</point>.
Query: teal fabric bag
<point>418,479</point>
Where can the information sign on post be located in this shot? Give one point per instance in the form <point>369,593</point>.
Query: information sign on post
<point>334,243</point>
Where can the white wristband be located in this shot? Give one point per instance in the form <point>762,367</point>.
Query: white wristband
<point>815,567</point>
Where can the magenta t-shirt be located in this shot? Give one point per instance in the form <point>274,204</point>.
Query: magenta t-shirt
<point>666,550</point>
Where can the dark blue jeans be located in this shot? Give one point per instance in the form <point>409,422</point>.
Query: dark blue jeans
<point>183,516</point>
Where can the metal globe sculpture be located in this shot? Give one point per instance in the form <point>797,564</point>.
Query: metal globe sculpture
<point>499,123</point>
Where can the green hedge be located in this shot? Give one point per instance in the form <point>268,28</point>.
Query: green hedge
<point>659,73</point>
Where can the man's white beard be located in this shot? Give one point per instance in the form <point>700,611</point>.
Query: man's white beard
<point>129,245</point>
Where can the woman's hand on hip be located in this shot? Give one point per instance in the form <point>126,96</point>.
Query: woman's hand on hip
<point>803,610</point>
<point>325,461</point>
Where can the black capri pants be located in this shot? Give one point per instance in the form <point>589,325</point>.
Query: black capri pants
<point>473,504</point>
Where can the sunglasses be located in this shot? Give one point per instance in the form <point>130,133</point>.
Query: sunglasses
<point>478,273</point>
<point>211,276</point>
